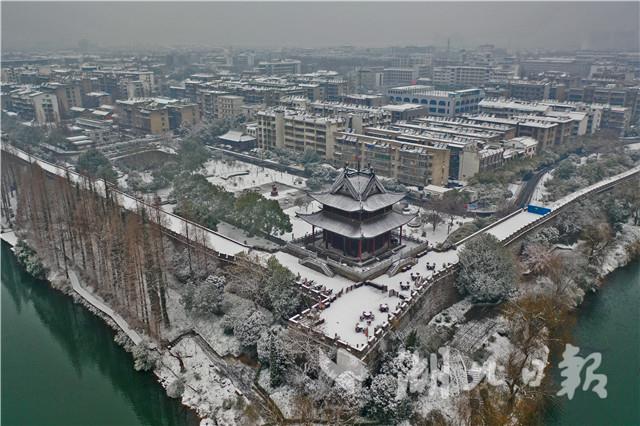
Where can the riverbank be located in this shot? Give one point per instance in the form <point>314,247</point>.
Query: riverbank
<point>184,370</point>
<point>61,366</point>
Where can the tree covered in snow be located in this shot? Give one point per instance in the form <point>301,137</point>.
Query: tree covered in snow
<point>272,352</point>
<point>383,402</point>
<point>487,270</point>
<point>547,235</point>
<point>188,264</point>
<point>281,295</point>
<point>176,388</point>
<point>343,401</point>
<point>433,218</point>
<point>29,259</point>
<point>207,298</point>
<point>248,328</point>
<point>277,364</point>
<point>144,358</point>
<point>539,258</point>
<point>257,214</point>
<point>597,237</point>
<point>399,365</point>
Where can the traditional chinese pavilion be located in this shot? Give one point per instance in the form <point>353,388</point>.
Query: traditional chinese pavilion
<point>357,216</point>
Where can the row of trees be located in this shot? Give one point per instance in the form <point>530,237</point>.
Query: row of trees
<point>199,200</point>
<point>119,252</point>
<point>570,175</point>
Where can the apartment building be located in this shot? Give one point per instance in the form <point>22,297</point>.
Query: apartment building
<point>96,99</point>
<point>451,77</point>
<point>615,118</point>
<point>475,159</point>
<point>356,116</point>
<point>505,131</point>
<point>406,76</point>
<point>611,117</point>
<point>369,78</point>
<point>183,115</point>
<point>207,101</point>
<point>229,107</point>
<point>529,90</point>
<point>298,131</point>
<point>156,115</point>
<point>483,135</point>
<point>244,61</point>
<point>593,112</point>
<point>439,102</point>
<point>454,143</point>
<point>33,105</point>
<point>564,123</point>
<point>542,131</point>
<point>410,163</point>
<point>281,67</point>
<point>365,100</point>
<point>142,115</point>
<point>68,96</point>
<point>509,107</point>
<point>404,112</point>
<point>574,66</point>
<point>615,96</point>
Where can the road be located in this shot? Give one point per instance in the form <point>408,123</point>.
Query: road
<point>524,197</point>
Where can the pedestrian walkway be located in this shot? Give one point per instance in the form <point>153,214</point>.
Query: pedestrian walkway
<point>101,306</point>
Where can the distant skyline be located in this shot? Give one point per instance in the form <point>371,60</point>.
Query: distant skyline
<point>515,25</point>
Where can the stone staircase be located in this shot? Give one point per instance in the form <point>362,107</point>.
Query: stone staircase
<point>317,265</point>
<point>399,264</point>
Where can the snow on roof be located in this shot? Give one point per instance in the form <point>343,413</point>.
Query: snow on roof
<point>436,189</point>
<point>402,107</point>
<point>236,136</point>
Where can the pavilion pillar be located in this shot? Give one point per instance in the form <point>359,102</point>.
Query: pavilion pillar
<point>344,245</point>
<point>373,244</point>
<point>401,235</point>
<point>313,234</point>
<point>326,239</point>
<point>360,249</point>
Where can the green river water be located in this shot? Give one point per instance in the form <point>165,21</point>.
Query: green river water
<point>609,323</point>
<point>60,365</point>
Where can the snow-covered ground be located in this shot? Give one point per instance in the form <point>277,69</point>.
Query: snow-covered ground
<point>441,232</point>
<point>344,313</point>
<point>205,389</point>
<point>299,227</point>
<point>633,146</point>
<point>284,395</point>
<point>221,172</point>
<point>336,283</point>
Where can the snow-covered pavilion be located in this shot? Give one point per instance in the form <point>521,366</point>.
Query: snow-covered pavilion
<point>357,217</point>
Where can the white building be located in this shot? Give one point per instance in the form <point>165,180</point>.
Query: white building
<point>439,102</point>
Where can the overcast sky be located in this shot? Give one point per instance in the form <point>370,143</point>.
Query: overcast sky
<point>305,24</point>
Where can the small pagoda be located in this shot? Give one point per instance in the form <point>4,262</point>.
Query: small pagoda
<point>357,217</point>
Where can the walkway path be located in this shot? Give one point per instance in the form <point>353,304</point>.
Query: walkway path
<point>101,306</point>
